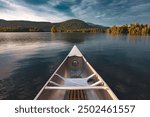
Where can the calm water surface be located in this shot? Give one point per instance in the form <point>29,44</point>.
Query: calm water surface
<point>27,60</point>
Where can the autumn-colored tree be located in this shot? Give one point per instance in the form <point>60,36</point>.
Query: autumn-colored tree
<point>132,29</point>
<point>53,29</point>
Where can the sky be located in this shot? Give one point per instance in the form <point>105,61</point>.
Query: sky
<point>102,12</point>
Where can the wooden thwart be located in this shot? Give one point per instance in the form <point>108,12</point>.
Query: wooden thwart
<point>77,88</point>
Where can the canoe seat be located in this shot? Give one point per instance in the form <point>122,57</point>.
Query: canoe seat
<point>76,81</point>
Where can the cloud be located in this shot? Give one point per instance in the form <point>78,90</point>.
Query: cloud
<point>104,12</point>
<point>20,11</point>
<point>36,2</point>
<point>14,11</point>
<point>2,5</point>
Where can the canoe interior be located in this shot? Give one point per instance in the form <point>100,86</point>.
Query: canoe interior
<point>90,94</point>
<point>75,72</point>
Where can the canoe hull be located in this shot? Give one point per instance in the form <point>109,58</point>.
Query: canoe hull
<point>75,79</point>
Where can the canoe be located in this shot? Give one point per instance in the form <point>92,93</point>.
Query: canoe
<point>75,79</point>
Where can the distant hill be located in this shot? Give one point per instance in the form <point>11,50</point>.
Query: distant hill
<point>97,26</point>
<point>73,24</point>
<point>44,26</point>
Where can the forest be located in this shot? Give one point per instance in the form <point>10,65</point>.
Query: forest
<point>18,29</point>
<point>73,25</point>
<point>54,30</point>
<point>131,29</point>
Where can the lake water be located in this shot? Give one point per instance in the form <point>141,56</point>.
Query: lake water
<point>27,60</point>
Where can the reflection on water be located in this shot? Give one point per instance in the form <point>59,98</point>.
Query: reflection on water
<point>27,60</point>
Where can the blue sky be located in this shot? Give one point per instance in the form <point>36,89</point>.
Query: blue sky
<point>103,12</point>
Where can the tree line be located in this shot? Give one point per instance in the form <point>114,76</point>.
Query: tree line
<point>55,29</point>
<point>132,29</point>
<point>18,29</point>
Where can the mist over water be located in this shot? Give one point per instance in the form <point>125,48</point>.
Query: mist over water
<point>27,60</point>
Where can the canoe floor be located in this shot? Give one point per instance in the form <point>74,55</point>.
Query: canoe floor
<point>60,94</point>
